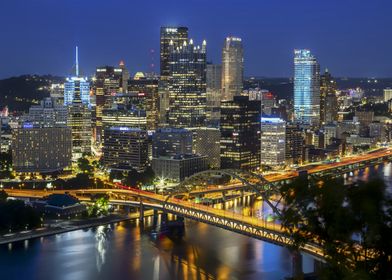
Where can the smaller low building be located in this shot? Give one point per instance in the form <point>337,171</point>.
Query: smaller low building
<point>60,205</point>
<point>179,167</point>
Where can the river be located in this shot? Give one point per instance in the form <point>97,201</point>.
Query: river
<point>128,250</point>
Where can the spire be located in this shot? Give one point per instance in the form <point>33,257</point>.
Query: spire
<point>77,62</point>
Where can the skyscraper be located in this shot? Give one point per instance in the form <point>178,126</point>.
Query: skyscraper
<point>214,93</point>
<point>170,36</point>
<point>49,113</point>
<point>187,85</point>
<point>273,141</point>
<point>328,99</point>
<point>125,148</point>
<point>232,68</point>
<point>108,80</point>
<point>240,133</point>
<point>79,115</point>
<point>147,89</point>
<point>77,85</point>
<point>306,88</point>
<point>41,149</point>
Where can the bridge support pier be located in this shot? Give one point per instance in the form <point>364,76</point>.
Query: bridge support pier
<point>155,217</point>
<point>141,215</point>
<point>297,272</point>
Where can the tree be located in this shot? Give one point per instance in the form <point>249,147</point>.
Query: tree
<point>3,196</point>
<point>84,165</point>
<point>333,214</point>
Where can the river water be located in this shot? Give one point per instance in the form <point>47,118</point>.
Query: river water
<point>128,250</point>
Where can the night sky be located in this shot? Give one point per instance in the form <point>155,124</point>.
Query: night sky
<point>351,37</point>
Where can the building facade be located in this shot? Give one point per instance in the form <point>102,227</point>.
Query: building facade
<point>170,36</point>
<point>41,149</point>
<point>206,141</point>
<point>179,167</point>
<point>187,85</point>
<point>171,142</point>
<point>125,148</point>
<point>306,88</point>
<point>48,114</point>
<point>273,141</point>
<point>328,99</point>
<point>240,133</point>
<point>232,68</point>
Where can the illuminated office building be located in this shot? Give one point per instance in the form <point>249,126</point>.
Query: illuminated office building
<point>206,141</point>
<point>122,116</point>
<point>79,120</point>
<point>328,98</point>
<point>273,141</point>
<point>171,141</point>
<point>187,85</point>
<point>41,149</point>
<point>170,37</point>
<point>232,68</point>
<point>306,88</point>
<point>147,90</point>
<point>77,85</point>
<point>294,144</point>
<point>125,148</point>
<point>177,168</point>
<point>387,94</point>
<point>108,81</point>
<point>48,114</point>
<point>240,133</point>
<point>214,92</point>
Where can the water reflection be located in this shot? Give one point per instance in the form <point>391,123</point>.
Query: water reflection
<point>127,250</point>
<point>101,245</point>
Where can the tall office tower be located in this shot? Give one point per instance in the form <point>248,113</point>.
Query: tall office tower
<point>240,133</point>
<point>232,68</point>
<point>147,89</point>
<point>41,149</point>
<point>327,95</point>
<point>273,141</point>
<point>48,114</point>
<point>331,108</point>
<point>124,77</point>
<point>79,120</point>
<point>125,148</point>
<point>187,85</point>
<point>108,81</point>
<point>77,85</point>
<point>170,36</point>
<point>57,91</point>
<point>164,102</point>
<point>306,88</point>
<point>121,115</point>
<point>206,141</point>
<point>387,94</point>
<point>294,144</point>
<point>214,92</point>
<point>171,142</point>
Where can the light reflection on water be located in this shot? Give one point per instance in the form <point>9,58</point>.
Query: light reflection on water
<point>127,250</point>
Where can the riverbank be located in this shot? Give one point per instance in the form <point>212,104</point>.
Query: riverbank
<point>65,226</point>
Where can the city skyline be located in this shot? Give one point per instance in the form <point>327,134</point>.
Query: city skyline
<point>269,37</point>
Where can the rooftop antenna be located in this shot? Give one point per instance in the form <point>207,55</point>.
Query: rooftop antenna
<point>77,62</point>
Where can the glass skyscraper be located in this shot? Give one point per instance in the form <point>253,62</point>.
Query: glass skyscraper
<point>170,36</point>
<point>187,85</point>
<point>232,68</point>
<point>77,87</point>
<point>306,88</point>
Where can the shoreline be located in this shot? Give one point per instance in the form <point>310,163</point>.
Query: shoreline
<point>48,231</point>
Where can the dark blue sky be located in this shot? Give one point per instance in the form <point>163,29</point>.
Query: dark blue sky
<point>350,37</point>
